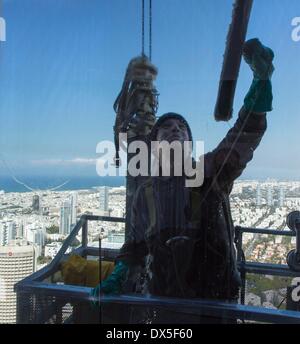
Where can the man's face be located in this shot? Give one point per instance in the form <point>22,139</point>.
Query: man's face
<point>172,130</point>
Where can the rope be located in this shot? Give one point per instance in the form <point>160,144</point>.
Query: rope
<point>20,182</point>
<point>143,27</point>
<point>281,303</point>
<point>150,29</point>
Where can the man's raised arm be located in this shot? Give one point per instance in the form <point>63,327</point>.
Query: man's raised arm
<point>231,156</point>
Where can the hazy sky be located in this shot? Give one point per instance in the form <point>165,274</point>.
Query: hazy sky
<point>63,64</point>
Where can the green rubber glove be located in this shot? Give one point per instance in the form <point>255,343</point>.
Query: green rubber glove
<point>260,59</point>
<point>260,97</point>
<point>114,283</point>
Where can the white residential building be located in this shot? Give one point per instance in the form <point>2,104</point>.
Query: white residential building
<point>65,218</point>
<point>8,232</point>
<point>17,261</point>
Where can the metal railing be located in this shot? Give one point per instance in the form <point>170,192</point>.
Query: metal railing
<point>38,299</point>
<point>258,268</point>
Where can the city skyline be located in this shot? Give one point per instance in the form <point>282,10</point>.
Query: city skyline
<point>40,229</point>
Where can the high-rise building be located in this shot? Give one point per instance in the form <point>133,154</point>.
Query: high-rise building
<point>12,231</point>
<point>2,234</point>
<point>36,203</point>
<point>103,198</point>
<point>270,196</point>
<point>37,236</point>
<point>68,214</point>
<point>281,196</point>
<point>8,232</point>
<point>20,230</point>
<point>65,218</point>
<point>73,201</point>
<point>17,261</point>
<point>258,196</point>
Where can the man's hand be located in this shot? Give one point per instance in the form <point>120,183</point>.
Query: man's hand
<point>95,293</point>
<point>107,287</point>
<point>113,284</point>
<point>260,59</point>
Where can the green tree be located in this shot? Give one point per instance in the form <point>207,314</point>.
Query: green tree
<point>52,229</point>
<point>43,260</point>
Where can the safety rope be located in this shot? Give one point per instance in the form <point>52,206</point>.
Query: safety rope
<point>26,186</point>
<point>150,28</point>
<point>143,27</point>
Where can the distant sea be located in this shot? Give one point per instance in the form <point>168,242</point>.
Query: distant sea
<point>8,184</point>
<point>45,183</point>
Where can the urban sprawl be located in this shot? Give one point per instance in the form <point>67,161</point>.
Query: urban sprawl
<point>44,219</point>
